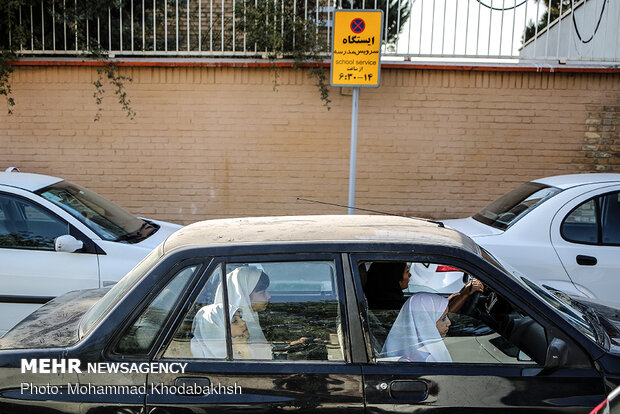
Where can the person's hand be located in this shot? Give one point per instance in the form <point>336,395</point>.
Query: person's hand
<point>457,300</point>
<point>300,341</point>
<point>473,286</point>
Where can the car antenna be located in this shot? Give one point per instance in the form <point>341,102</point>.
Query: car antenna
<point>439,223</point>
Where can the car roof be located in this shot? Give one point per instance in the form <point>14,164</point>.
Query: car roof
<point>27,181</point>
<point>311,229</point>
<point>574,180</point>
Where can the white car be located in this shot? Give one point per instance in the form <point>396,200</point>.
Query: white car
<point>56,236</point>
<point>562,231</point>
<point>435,278</point>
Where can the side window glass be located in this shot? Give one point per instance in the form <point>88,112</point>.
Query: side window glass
<point>140,336</point>
<point>581,225</point>
<point>26,225</point>
<point>445,315</point>
<point>288,311</point>
<point>610,218</point>
<point>190,340</point>
<point>276,311</point>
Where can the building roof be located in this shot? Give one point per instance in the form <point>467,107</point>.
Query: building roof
<point>309,229</point>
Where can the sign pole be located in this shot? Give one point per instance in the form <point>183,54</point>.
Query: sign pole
<point>353,156</point>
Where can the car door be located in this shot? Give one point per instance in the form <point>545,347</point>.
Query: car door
<point>495,361</point>
<point>585,234</point>
<point>32,271</point>
<point>293,356</point>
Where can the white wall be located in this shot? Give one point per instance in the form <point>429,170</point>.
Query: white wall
<point>604,46</point>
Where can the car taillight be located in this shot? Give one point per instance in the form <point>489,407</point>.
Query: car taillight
<point>446,269</point>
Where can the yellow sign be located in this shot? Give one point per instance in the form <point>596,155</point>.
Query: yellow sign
<point>356,48</point>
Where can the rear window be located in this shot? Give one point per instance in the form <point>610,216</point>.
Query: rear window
<point>512,206</point>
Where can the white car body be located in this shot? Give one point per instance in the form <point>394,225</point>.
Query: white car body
<point>435,278</point>
<point>31,275</point>
<point>534,245</point>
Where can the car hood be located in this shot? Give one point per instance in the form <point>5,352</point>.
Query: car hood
<point>53,325</point>
<point>471,227</point>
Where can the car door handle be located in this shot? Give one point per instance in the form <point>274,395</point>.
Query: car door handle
<point>416,390</point>
<point>586,260</point>
<point>192,384</point>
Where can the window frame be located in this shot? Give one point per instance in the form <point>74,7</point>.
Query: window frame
<point>599,224</point>
<point>260,258</point>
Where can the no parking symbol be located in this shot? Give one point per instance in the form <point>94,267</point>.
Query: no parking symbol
<point>358,25</point>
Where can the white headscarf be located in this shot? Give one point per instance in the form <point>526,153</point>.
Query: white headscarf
<point>240,283</point>
<point>209,329</point>
<point>414,335</point>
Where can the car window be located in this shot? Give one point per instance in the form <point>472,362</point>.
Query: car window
<point>288,310</point>
<point>140,335</point>
<point>610,218</point>
<point>581,225</point>
<point>438,318</point>
<point>512,206</point>
<point>182,344</point>
<point>25,225</point>
<point>595,221</point>
<point>108,220</point>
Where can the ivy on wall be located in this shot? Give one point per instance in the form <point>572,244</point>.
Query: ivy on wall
<point>272,29</point>
<point>18,28</point>
<point>281,31</point>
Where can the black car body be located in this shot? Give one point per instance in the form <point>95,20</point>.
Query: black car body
<point>516,347</point>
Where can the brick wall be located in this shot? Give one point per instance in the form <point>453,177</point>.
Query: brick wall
<point>601,149</point>
<point>219,142</point>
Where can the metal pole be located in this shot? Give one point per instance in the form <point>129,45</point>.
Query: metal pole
<point>353,160</point>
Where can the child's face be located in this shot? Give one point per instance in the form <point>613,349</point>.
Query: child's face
<point>238,327</point>
<point>443,324</point>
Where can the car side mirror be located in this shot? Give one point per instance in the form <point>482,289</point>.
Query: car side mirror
<point>67,244</point>
<point>557,354</point>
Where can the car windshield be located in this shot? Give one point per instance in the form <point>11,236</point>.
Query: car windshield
<point>512,206</point>
<point>101,308</point>
<point>108,220</point>
<point>556,300</point>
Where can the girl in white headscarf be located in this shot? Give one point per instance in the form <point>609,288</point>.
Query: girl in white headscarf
<point>417,334</point>
<point>247,290</point>
<point>209,329</point>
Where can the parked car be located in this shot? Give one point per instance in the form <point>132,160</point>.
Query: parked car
<point>431,277</point>
<point>562,231</point>
<point>163,338</point>
<point>56,236</point>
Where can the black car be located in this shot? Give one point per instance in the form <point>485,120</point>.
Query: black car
<point>271,314</point>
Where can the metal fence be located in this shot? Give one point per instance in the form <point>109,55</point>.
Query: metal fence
<point>585,32</point>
